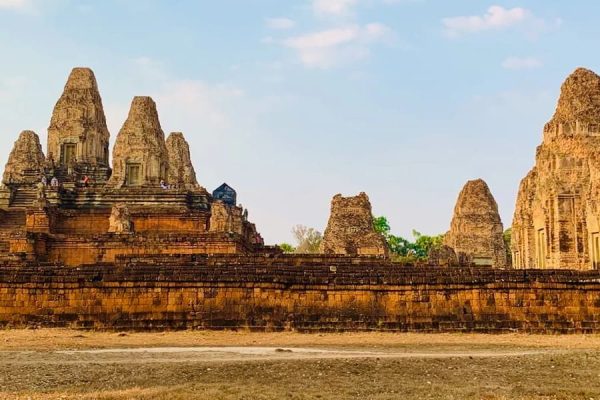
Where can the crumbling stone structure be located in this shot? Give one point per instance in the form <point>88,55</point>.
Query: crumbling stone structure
<point>557,216</point>
<point>74,210</point>
<point>225,218</point>
<point>350,228</point>
<point>181,171</point>
<point>476,229</point>
<point>26,162</point>
<point>445,256</point>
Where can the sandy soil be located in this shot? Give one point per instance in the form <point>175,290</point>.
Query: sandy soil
<point>53,339</point>
<point>65,364</point>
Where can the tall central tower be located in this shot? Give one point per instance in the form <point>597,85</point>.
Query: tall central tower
<point>78,131</point>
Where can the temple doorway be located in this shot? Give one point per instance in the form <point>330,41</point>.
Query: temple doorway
<point>68,154</point>
<point>134,172</point>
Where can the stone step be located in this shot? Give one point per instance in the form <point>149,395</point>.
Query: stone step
<point>23,198</point>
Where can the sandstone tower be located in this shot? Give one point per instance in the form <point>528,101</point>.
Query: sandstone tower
<point>476,229</point>
<point>26,161</point>
<point>140,155</point>
<point>350,228</point>
<point>181,171</point>
<point>557,220</point>
<point>78,131</point>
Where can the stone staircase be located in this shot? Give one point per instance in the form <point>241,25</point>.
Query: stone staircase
<point>98,175</point>
<point>23,198</point>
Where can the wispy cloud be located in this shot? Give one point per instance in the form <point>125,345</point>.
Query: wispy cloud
<point>150,68</point>
<point>496,18</point>
<point>183,104</point>
<point>280,23</point>
<point>341,38</point>
<point>335,8</point>
<point>402,1</point>
<point>17,5</point>
<point>331,47</point>
<point>518,63</point>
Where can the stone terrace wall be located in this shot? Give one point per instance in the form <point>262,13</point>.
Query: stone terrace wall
<point>297,292</point>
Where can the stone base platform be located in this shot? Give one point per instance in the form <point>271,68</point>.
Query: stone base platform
<point>288,292</point>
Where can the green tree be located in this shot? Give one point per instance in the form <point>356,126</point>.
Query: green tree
<point>381,225</point>
<point>396,244</point>
<point>423,243</point>
<point>402,249</point>
<point>287,248</point>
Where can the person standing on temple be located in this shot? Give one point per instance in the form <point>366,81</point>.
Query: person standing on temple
<point>54,182</point>
<point>86,181</point>
<point>44,180</point>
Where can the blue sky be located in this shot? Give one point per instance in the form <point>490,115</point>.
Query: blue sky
<point>292,102</point>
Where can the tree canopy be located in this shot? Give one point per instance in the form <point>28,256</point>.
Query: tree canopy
<point>308,239</point>
<point>416,250</point>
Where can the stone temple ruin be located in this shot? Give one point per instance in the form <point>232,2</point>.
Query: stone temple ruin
<point>149,202</point>
<point>557,217</point>
<point>476,230</point>
<point>154,250</point>
<point>71,207</point>
<point>350,228</point>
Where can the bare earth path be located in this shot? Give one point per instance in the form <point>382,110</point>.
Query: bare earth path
<point>65,364</point>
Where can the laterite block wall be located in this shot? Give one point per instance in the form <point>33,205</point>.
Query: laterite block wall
<point>307,294</point>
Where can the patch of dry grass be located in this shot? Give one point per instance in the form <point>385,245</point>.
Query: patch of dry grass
<point>573,373</point>
<point>52,339</point>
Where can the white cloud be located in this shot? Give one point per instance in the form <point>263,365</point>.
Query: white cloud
<point>280,23</point>
<point>376,31</point>
<point>183,104</point>
<point>402,1</point>
<point>17,5</point>
<point>150,68</point>
<point>518,63</point>
<point>14,4</point>
<point>323,39</point>
<point>327,48</point>
<point>496,17</point>
<point>197,100</point>
<point>335,8</point>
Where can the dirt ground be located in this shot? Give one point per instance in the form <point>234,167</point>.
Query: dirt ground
<point>67,364</point>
